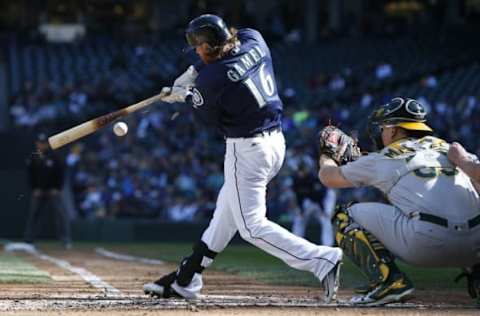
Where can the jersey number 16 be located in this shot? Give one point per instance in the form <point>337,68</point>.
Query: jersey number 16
<point>261,85</point>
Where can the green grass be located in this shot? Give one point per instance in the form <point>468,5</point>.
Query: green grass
<point>251,262</point>
<point>16,270</point>
<point>241,259</point>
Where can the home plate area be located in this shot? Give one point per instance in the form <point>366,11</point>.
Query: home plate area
<point>90,280</point>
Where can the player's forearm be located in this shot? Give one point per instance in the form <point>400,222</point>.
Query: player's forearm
<point>325,162</point>
<point>471,168</point>
<point>330,175</point>
<point>467,162</point>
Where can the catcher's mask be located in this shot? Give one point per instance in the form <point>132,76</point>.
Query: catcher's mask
<point>406,113</point>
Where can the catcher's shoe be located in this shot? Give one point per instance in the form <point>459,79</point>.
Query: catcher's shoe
<point>162,287</point>
<point>393,290</point>
<point>331,282</point>
<point>364,289</point>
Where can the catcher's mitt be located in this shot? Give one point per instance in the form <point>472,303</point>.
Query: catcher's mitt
<point>337,145</point>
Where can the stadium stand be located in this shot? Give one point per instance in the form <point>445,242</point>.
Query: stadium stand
<point>175,176</point>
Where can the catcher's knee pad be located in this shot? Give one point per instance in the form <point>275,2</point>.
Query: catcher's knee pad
<point>201,258</point>
<point>366,251</point>
<point>342,222</point>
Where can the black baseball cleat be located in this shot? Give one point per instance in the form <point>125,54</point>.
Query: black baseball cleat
<point>162,288</point>
<point>331,282</point>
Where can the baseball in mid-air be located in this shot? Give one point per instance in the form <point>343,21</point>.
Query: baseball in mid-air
<point>120,128</point>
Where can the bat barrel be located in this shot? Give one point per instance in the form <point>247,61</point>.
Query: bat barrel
<point>70,135</point>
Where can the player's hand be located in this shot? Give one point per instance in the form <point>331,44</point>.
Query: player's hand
<point>187,79</point>
<point>174,94</point>
<point>337,145</point>
<point>457,154</point>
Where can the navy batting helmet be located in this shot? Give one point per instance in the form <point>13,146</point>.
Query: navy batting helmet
<point>400,112</point>
<point>207,28</point>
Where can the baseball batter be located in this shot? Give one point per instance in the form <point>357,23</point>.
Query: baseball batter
<point>234,89</point>
<point>433,218</point>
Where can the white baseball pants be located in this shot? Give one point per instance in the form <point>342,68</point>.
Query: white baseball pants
<point>250,164</point>
<point>417,242</point>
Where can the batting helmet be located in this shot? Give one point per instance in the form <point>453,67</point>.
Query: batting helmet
<point>406,113</point>
<point>207,28</point>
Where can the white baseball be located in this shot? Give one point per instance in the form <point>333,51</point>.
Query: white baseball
<point>120,128</point>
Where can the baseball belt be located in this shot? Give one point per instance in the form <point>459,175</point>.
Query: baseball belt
<point>270,131</point>
<point>434,219</point>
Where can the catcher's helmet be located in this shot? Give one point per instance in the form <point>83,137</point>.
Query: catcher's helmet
<point>207,28</point>
<point>400,112</point>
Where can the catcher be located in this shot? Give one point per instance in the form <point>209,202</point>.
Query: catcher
<point>433,217</point>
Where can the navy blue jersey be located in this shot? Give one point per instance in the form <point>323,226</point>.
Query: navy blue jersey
<point>238,93</point>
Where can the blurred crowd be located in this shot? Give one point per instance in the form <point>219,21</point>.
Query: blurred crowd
<point>169,168</point>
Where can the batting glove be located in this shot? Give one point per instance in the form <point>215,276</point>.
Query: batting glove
<point>187,79</point>
<point>174,94</point>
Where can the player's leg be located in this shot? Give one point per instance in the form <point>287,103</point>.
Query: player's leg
<point>470,252</point>
<point>323,219</point>
<point>365,231</point>
<point>216,237</point>
<point>326,230</point>
<point>221,228</point>
<point>472,274</point>
<point>253,164</point>
<point>61,219</point>
<point>327,234</point>
<point>298,223</point>
<point>36,202</point>
<point>187,281</point>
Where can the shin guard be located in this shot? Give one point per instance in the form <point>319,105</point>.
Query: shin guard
<point>365,251</point>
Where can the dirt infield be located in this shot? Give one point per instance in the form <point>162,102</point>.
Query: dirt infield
<point>70,293</point>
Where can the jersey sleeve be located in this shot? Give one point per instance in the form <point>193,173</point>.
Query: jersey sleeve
<point>362,172</point>
<point>204,98</point>
<point>250,34</point>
